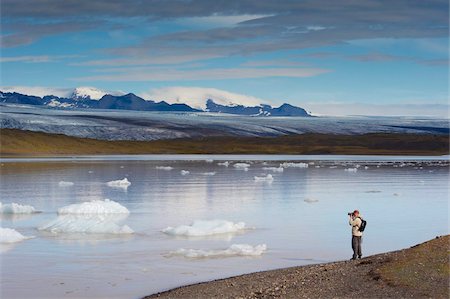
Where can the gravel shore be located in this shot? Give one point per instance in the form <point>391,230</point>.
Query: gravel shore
<point>421,271</point>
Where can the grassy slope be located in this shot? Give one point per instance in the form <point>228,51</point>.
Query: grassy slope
<point>17,142</point>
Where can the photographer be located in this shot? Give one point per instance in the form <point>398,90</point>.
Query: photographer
<point>355,222</point>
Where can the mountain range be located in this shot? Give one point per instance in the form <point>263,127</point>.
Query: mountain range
<point>91,98</point>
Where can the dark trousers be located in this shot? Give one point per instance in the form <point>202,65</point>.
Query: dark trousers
<point>356,246</point>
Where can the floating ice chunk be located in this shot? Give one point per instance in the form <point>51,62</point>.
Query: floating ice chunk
<point>226,163</point>
<point>94,207</point>
<point>208,173</point>
<point>201,228</point>
<point>185,172</point>
<point>333,167</point>
<point>366,167</point>
<point>65,184</point>
<point>274,169</point>
<point>294,165</point>
<point>9,235</point>
<point>209,160</point>
<point>164,167</point>
<point>233,250</point>
<point>268,178</point>
<point>310,200</point>
<point>119,184</point>
<point>90,171</point>
<point>242,166</point>
<point>87,224</point>
<point>351,170</point>
<point>15,208</point>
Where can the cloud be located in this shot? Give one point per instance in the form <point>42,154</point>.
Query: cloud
<point>39,91</point>
<point>35,58</point>
<point>383,57</point>
<point>165,74</point>
<point>196,96</point>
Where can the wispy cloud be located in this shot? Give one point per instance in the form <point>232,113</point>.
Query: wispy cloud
<point>160,74</point>
<point>36,58</point>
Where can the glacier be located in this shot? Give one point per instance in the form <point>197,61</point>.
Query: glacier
<point>145,125</point>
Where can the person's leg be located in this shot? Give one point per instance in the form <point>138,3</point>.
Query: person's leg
<point>354,246</point>
<point>359,247</point>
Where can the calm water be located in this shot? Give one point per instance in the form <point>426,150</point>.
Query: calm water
<point>404,203</point>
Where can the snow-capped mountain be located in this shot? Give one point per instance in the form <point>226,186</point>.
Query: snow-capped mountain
<point>89,93</point>
<point>93,98</point>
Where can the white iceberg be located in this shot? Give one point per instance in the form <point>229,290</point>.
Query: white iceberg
<point>209,160</point>
<point>185,172</point>
<point>351,170</point>
<point>310,200</point>
<point>201,228</point>
<point>94,207</point>
<point>274,169</point>
<point>233,250</point>
<point>267,178</point>
<point>226,163</point>
<point>87,224</point>
<point>65,184</point>
<point>242,166</point>
<point>208,173</point>
<point>9,235</point>
<point>294,165</point>
<point>164,167</point>
<point>124,184</point>
<point>15,208</point>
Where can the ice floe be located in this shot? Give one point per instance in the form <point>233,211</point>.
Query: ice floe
<point>87,224</point>
<point>226,163</point>
<point>201,228</point>
<point>351,170</point>
<point>185,172</point>
<point>94,207</point>
<point>233,250</point>
<point>164,167</point>
<point>9,235</point>
<point>124,183</point>
<point>274,169</point>
<point>267,178</point>
<point>208,173</point>
<point>65,184</point>
<point>294,165</point>
<point>209,160</point>
<point>15,208</point>
<point>242,166</point>
<point>311,200</point>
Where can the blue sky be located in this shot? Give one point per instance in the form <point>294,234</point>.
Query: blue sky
<point>316,54</point>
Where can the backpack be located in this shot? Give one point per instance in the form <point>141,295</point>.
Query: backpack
<point>363,225</point>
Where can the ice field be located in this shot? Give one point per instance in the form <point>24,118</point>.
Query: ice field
<point>129,226</point>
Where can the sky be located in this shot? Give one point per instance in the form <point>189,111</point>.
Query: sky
<point>330,57</point>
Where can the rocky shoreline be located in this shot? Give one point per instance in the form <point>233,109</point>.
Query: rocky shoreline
<point>421,271</point>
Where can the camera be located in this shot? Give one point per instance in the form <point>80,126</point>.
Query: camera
<point>350,214</point>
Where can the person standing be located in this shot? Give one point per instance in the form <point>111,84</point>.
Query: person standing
<point>355,222</point>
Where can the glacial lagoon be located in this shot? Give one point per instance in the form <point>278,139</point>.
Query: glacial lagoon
<point>129,226</point>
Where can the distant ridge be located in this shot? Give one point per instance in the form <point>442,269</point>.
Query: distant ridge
<point>91,98</point>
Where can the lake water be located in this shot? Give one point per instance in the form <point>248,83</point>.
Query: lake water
<point>301,216</point>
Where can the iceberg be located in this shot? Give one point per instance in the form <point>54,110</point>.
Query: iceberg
<point>274,169</point>
<point>9,235</point>
<point>200,228</point>
<point>209,160</point>
<point>267,178</point>
<point>243,166</point>
<point>164,167</point>
<point>65,184</point>
<point>310,200</point>
<point>15,208</point>
<point>353,170</point>
<point>87,224</point>
<point>233,250</point>
<point>94,207</point>
<point>124,184</point>
<point>226,163</point>
<point>185,172</point>
<point>208,173</point>
<point>294,165</point>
